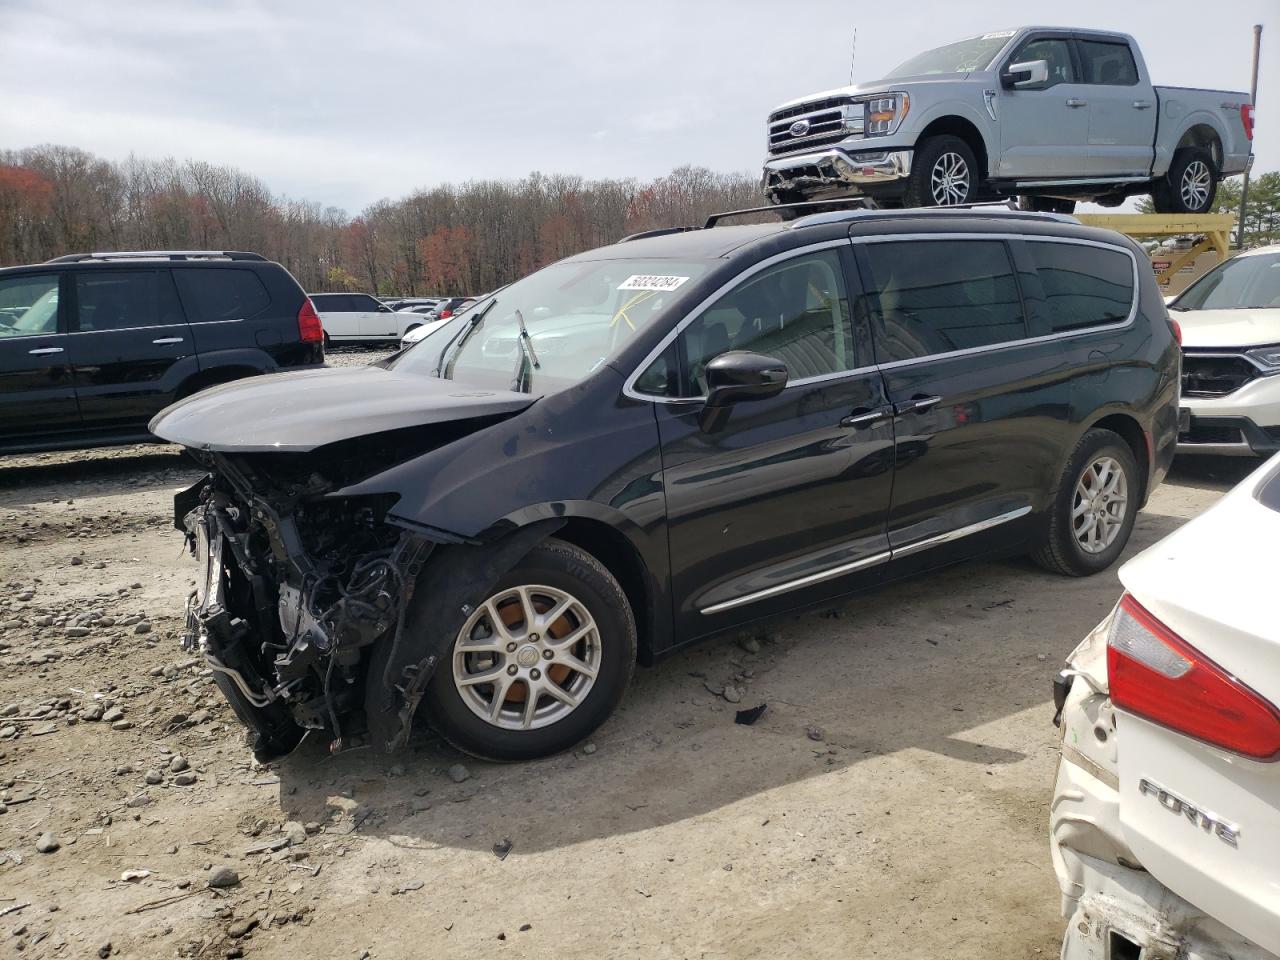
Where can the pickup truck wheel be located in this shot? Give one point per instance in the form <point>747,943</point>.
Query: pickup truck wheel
<point>1190,185</point>
<point>943,174</point>
<point>541,663</point>
<point>1094,507</point>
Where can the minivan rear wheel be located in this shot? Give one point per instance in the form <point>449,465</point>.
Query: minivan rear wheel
<point>541,663</point>
<point>1094,507</point>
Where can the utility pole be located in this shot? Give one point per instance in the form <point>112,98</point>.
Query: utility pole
<point>1253,93</point>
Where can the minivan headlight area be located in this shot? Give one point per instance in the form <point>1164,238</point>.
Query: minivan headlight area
<point>1268,358</point>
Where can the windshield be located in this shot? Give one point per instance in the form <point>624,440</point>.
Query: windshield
<point>554,327</point>
<point>1238,284</point>
<point>964,56</point>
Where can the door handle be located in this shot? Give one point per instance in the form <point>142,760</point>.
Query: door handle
<point>43,351</point>
<point>1141,104</point>
<point>1076,102</point>
<point>916,405</point>
<point>168,340</point>
<point>867,418</point>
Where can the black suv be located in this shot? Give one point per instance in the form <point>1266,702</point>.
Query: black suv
<point>94,345</point>
<point>661,440</point>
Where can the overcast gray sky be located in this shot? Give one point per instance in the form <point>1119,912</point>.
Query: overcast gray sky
<point>345,103</point>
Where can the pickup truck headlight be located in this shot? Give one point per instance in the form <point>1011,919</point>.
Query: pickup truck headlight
<point>883,115</point>
<point>1266,357</point>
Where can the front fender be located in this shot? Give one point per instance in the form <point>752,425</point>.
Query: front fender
<point>974,115</point>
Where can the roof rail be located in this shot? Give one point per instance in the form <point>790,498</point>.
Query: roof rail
<point>159,255</point>
<point>862,203</point>
<point>660,232</point>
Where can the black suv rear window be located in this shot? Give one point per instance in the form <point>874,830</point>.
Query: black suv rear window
<point>221,294</point>
<point>1084,286</point>
<point>939,296</point>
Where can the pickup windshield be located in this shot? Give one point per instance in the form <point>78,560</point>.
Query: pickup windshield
<point>1243,283</point>
<point>963,56</point>
<point>553,328</point>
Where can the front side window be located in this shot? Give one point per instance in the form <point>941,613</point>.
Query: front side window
<point>29,305</point>
<point>1108,63</point>
<point>1083,286</point>
<point>555,327</point>
<point>121,299</point>
<point>938,296</point>
<point>223,294</point>
<point>796,311</point>
<point>1055,53</point>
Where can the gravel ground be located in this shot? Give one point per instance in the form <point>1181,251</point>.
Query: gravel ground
<point>891,802</point>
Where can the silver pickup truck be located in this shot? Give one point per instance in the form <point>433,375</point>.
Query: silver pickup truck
<point>1050,115</point>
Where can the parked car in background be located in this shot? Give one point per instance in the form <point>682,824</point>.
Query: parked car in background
<point>1052,115</point>
<point>661,440</point>
<point>1230,321</point>
<point>421,331</point>
<point>94,345</point>
<point>1166,814</point>
<point>449,306</point>
<point>360,318</point>
<point>416,304</point>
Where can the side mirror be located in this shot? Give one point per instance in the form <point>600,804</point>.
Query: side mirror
<point>738,376</point>
<point>1032,73</point>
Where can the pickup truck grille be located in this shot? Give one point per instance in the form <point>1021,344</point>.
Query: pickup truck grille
<point>826,124</point>
<point>1214,376</point>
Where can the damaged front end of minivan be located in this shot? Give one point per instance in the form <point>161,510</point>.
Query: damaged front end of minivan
<point>307,606</point>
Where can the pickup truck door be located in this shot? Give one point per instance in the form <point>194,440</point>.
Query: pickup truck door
<point>1122,109</point>
<point>1044,129</point>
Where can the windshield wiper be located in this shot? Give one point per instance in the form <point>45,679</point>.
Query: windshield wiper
<point>528,360</point>
<point>460,339</point>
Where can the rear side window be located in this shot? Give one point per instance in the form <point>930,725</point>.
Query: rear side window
<point>120,299</point>
<point>222,294</point>
<point>938,296</point>
<point>1108,63</point>
<point>1084,286</point>
<point>29,305</point>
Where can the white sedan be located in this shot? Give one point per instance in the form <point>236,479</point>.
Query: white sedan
<point>1165,819</point>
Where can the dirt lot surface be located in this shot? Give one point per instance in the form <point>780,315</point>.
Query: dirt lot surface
<point>891,802</point>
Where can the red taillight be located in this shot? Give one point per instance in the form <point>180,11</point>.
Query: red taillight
<point>1157,675</point>
<point>1176,327</point>
<point>446,314</point>
<point>1246,117</point>
<point>309,328</point>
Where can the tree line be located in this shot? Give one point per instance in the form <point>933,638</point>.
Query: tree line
<point>449,239</point>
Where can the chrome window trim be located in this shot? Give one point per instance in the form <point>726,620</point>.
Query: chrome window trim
<point>628,387</point>
<point>153,326</point>
<point>891,554</point>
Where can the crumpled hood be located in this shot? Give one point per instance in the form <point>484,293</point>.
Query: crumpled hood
<point>1228,328</point>
<point>297,412</point>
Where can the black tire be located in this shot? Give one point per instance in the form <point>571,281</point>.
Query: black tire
<point>935,159</point>
<point>1183,189</point>
<point>561,566</point>
<point>1062,551</point>
<point>326,342</point>
<point>1046,205</point>
<point>409,329</point>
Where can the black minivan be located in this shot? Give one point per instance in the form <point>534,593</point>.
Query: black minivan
<point>660,440</point>
<point>92,346</point>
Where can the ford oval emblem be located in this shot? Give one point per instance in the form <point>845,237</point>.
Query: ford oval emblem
<point>800,128</point>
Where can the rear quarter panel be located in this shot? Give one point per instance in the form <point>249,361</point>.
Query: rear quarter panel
<point>1182,108</point>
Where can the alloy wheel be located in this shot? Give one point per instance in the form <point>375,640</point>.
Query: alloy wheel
<point>1197,181</point>
<point>527,658</point>
<point>949,180</point>
<point>1100,506</point>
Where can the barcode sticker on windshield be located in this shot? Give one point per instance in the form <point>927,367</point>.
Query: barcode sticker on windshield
<point>998,35</point>
<point>645,281</point>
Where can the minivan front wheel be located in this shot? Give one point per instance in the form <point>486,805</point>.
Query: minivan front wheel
<point>541,663</point>
<point>1094,507</point>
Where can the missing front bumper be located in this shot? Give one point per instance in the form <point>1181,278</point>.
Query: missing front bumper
<point>837,172</point>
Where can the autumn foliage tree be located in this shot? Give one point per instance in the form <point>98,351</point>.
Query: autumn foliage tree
<point>447,239</point>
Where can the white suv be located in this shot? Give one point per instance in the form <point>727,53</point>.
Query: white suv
<point>1165,820</point>
<point>1230,321</point>
<point>359,317</point>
